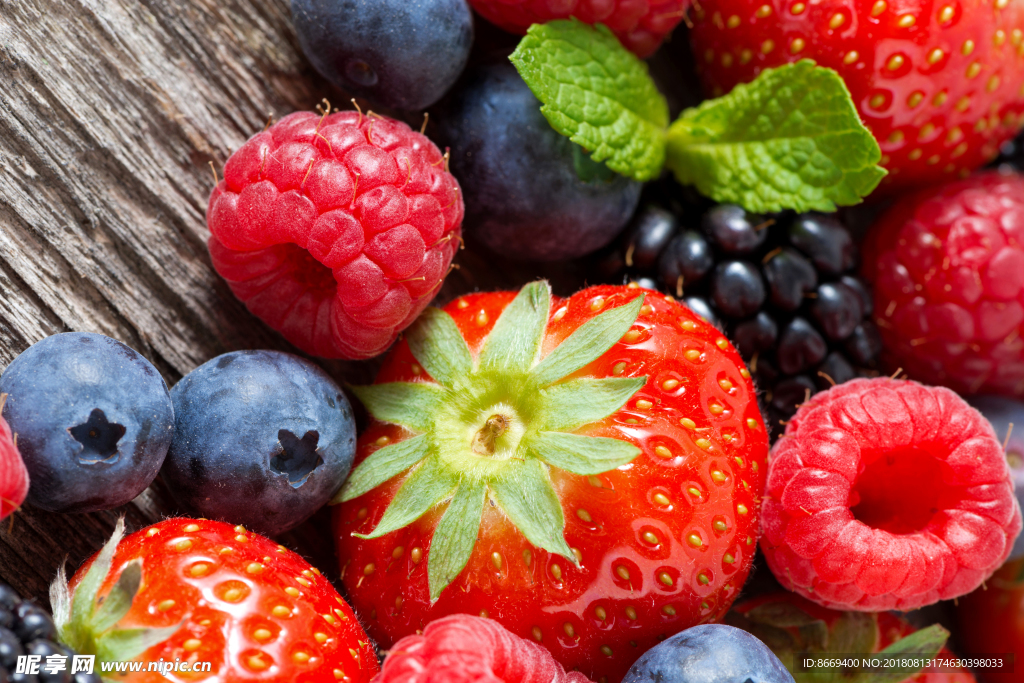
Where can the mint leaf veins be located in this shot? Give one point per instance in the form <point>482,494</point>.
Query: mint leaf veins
<point>790,139</point>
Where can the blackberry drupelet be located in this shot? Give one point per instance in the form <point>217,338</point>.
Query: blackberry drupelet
<point>28,629</point>
<point>1011,155</point>
<point>782,288</point>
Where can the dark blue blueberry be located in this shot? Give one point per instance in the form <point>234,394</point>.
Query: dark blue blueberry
<point>398,53</point>
<point>790,277</point>
<point>685,261</point>
<point>93,418</point>
<point>737,289</point>
<point>710,653</point>
<point>1002,412</point>
<point>523,182</point>
<point>734,230</point>
<point>263,439</point>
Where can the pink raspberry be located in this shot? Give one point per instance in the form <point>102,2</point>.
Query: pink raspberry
<point>948,270</point>
<point>887,494</point>
<point>640,25</point>
<point>466,649</point>
<point>336,230</point>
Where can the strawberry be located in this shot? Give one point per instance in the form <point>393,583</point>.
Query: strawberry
<point>794,627</point>
<point>938,82</point>
<point>200,591</point>
<point>992,621</point>
<point>584,471</point>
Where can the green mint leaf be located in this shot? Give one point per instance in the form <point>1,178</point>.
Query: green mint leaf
<point>119,600</point>
<point>587,343</point>
<point>514,342</point>
<point>435,341</point>
<point>791,139</point>
<point>383,465</point>
<point>409,404</point>
<point>923,644</point>
<point>597,93</point>
<point>524,492</point>
<point>427,486</point>
<point>569,405</point>
<point>581,454</point>
<point>455,537</point>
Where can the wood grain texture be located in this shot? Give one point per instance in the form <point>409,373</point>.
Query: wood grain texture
<point>110,113</point>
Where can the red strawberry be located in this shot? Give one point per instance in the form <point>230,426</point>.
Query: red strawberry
<point>13,474</point>
<point>789,625</point>
<point>886,494</point>
<point>590,478</point>
<point>195,590</point>
<point>641,25</point>
<point>465,649</point>
<point>335,230</point>
<point>948,269</point>
<point>938,82</point>
<point>992,621</point>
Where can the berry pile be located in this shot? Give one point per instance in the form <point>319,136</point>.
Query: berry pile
<point>783,288</point>
<point>26,629</point>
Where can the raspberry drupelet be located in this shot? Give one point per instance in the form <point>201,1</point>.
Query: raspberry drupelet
<point>336,229</point>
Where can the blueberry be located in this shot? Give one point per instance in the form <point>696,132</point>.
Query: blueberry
<point>710,653</point>
<point>838,310</point>
<point>649,232</point>
<point>398,53</point>
<point>790,277</point>
<point>824,239</point>
<point>263,439</point>
<point>734,230</point>
<point>530,193</point>
<point>737,288</point>
<point>800,347</point>
<point>94,421</point>
<point>1002,412</point>
<point>685,261</point>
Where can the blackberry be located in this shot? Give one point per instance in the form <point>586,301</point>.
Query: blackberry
<point>782,287</point>
<point>1011,154</point>
<point>28,629</point>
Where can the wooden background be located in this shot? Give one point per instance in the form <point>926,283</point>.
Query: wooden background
<point>110,114</point>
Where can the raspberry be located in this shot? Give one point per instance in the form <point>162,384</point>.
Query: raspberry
<point>465,649</point>
<point>640,25</point>
<point>335,230</point>
<point>949,284</point>
<point>887,494</point>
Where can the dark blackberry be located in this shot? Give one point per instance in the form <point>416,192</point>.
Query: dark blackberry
<point>1011,154</point>
<point>782,287</point>
<point>28,629</point>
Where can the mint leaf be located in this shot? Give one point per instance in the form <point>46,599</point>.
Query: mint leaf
<point>791,139</point>
<point>597,93</point>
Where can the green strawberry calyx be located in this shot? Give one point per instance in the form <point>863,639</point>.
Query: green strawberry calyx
<point>90,626</point>
<point>488,429</point>
<point>852,638</point>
